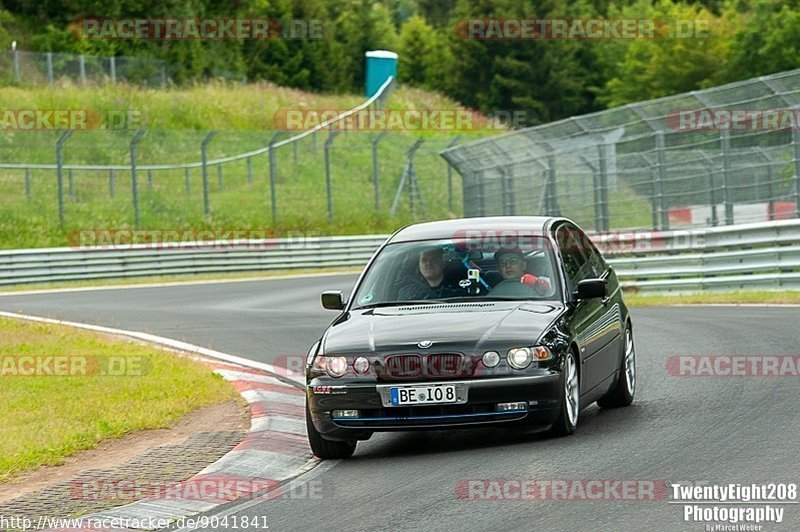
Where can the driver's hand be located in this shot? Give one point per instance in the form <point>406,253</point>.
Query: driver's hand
<point>537,283</point>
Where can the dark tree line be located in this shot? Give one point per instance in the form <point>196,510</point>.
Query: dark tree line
<point>547,79</point>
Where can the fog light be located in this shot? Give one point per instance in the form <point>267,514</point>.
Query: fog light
<point>491,359</point>
<point>361,365</point>
<point>505,407</point>
<point>345,413</point>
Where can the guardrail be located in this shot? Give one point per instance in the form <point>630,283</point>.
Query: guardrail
<point>762,256</point>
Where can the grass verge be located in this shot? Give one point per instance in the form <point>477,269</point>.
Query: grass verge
<point>743,297</point>
<point>107,388</point>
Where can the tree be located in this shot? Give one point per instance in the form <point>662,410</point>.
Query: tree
<point>641,69</point>
<point>422,54</point>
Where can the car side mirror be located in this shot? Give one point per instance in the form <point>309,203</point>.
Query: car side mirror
<point>592,288</point>
<point>333,300</point>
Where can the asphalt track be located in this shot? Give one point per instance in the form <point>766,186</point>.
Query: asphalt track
<point>716,430</point>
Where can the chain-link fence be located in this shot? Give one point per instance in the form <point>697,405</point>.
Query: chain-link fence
<point>724,155</point>
<point>334,183</point>
<point>40,68</point>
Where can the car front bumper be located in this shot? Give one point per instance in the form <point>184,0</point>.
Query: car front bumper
<point>540,393</point>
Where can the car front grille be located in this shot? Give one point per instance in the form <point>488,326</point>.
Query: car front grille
<point>414,366</point>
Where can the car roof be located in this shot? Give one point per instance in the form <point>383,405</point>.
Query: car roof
<point>451,228</point>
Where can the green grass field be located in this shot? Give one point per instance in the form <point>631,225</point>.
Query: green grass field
<point>47,418</point>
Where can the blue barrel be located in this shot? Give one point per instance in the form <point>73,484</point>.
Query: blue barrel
<point>380,65</point>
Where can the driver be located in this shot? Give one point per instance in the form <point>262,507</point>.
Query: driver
<point>511,264</point>
<point>429,284</point>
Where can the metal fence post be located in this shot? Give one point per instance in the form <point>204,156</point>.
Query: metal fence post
<point>112,68</point>
<point>220,179</point>
<point>134,179</point>
<point>725,146</point>
<point>294,152</point>
<point>598,213</point>
<point>452,143</point>
<point>28,183</point>
<point>375,175</point>
<point>796,172</point>
<point>481,193</point>
<point>71,181</point>
<point>112,184</point>
<point>273,177</point>
<point>507,191</point>
<point>82,67</point>
<point>149,180</point>
<point>602,189</point>
<point>203,146</point>
<point>187,183</point>
<point>328,187</point>
<point>661,153</point>
<point>49,56</point>
<point>413,186</point>
<point>551,202</point>
<point>60,174</point>
<point>249,171</point>
<point>163,77</point>
<point>15,61</point>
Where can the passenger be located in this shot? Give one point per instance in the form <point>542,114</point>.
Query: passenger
<point>517,283</point>
<point>430,283</point>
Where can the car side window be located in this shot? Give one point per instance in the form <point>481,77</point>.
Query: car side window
<point>577,265</point>
<point>599,265</point>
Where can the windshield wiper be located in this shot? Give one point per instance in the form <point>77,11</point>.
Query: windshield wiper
<point>401,303</point>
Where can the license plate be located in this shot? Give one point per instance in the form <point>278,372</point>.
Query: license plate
<point>423,395</point>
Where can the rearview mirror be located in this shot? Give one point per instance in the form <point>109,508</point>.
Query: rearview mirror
<point>592,288</point>
<point>333,300</point>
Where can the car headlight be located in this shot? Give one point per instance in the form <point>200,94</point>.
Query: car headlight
<point>521,357</point>
<point>334,366</point>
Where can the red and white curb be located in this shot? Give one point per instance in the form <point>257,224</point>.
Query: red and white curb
<point>273,452</point>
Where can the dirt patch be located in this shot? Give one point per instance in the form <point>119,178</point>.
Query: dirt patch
<point>228,416</point>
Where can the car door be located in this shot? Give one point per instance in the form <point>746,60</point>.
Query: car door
<point>585,320</point>
<point>609,325</point>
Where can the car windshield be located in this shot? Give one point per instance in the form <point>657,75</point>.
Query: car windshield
<point>453,269</point>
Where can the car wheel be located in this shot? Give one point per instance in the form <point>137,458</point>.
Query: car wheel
<point>622,393</point>
<point>570,399</point>
<point>327,449</point>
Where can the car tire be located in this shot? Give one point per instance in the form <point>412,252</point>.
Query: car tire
<point>570,406</point>
<point>622,393</point>
<point>327,449</point>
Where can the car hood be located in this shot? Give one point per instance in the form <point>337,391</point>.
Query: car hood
<point>462,327</point>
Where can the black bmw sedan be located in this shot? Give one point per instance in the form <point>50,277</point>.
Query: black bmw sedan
<point>514,322</point>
